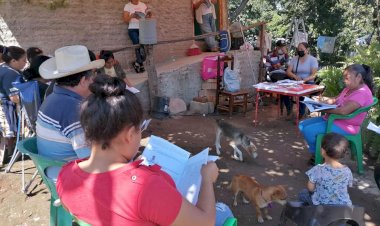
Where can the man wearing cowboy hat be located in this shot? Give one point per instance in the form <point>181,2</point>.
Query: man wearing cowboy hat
<point>59,133</point>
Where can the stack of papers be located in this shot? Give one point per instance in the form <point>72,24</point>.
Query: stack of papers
<point>313,105</point>
<point>265,85</point>
<point>373,127</point>
<point>288,82</point>
<point>185,171</point>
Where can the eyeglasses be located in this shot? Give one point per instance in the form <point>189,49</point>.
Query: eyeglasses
<point>144,125</point>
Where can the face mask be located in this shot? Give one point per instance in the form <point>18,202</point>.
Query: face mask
<point>280,52</point>
<point>301,53</point>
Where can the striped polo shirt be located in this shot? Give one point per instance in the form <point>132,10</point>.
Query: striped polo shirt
<point>59,133</point>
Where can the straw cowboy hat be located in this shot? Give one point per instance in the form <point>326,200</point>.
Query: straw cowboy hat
<point>68,60</point>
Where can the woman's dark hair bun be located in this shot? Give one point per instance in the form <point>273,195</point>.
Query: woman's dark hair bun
<point>106,86</point>
<point>366,68</point>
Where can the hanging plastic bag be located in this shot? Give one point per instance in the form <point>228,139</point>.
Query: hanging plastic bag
<point>231,80</point>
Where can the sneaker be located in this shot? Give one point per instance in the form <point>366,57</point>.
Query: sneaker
<point>136,66</point>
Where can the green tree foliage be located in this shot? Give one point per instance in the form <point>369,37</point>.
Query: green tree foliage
<point>331,77</point>
<point>345,19</point>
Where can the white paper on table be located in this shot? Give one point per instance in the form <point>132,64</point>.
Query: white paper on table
<point>373,127</point>
<point>289,82</point>
<point>132,89</point>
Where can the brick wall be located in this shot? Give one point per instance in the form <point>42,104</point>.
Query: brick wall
<point>97,24</point>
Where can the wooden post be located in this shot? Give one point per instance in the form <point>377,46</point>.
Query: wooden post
<point>152,74</point>
<point>262,41</point>
<point>223,14</point>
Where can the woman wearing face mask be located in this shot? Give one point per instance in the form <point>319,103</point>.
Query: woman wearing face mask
<point>279,57</point>
<point>302,67</point>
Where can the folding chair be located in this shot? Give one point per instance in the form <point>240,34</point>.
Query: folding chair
<point>30,103</point>
<point>58,215</point>
<point>322,215</point>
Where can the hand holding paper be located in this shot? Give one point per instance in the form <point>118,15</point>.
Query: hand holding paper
<point>185,171</point>
<point>313,105</point>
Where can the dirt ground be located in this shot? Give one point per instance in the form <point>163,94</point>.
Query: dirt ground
<point>282,160</point>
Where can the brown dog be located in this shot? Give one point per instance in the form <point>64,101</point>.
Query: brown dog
<point>260,196</point>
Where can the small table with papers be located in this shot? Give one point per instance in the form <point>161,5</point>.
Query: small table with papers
<point>287,88</point>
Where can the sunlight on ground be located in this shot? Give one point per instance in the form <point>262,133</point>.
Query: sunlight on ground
<point>362,185</point>
<point>224,170</point>
<point>274,173</point>
<point>297,147</point>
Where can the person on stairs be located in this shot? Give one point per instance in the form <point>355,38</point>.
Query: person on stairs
<point>132,14</point>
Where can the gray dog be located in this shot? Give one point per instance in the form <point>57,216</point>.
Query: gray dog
<point>236,138</point>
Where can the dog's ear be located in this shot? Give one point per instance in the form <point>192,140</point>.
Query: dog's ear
<point>279,193</point>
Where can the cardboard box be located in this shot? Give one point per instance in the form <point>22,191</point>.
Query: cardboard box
<point>209,84</point>
<point>209,93</point>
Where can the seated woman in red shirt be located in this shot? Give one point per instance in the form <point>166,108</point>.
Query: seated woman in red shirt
<point>109,188</point>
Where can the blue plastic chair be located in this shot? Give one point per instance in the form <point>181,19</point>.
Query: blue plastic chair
<point>58,215</point>
<point>30,103</point>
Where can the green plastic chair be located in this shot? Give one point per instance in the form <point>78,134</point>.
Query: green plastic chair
<point>354,139</point>
<point>231,221</point>
<point>79,222</point>
<point>58,215</point>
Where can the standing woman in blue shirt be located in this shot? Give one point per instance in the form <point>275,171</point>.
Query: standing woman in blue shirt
<point>14,61</point>
<point>302,67</point>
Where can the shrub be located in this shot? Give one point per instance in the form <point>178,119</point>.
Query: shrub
<point>331,77</point>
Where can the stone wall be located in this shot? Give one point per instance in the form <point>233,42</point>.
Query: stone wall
<point>97,24</point>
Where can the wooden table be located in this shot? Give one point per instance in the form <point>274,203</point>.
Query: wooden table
<point>292,90</point>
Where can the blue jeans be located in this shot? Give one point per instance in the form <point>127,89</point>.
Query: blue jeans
<point>139,51</point>
<point>304,196</point>
<point>289,105</point>
<point>207,26</point>
<point>312,127</point>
